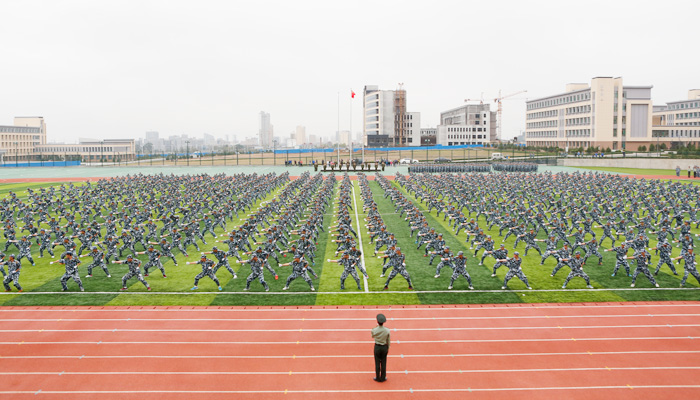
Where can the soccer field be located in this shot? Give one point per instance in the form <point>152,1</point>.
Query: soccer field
<point>42,287</point>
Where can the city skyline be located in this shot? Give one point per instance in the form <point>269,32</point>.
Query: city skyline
<point>117,70</point>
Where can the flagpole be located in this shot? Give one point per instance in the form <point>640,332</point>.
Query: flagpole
<point>351,147</point>
<point>338,137</point>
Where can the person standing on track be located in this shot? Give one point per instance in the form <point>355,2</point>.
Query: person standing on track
<point>382,341</point>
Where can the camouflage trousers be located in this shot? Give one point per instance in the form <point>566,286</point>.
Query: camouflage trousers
<point>511,274</point>
<point>207,273</point>
<point>95,264</point>
<point>349,271</point>
<point>14,278</point>
<point>76,278</point>
<point>257,273</point>
<point>225,264</point>
<point>136,275</point>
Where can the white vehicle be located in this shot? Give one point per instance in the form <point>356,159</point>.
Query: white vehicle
<point>408,161</point>
<point>497,156</point>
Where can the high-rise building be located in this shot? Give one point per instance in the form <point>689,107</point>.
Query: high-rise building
<point>604,114</point>
<point>386,119</point>
<point>265,131</point>
<point>677,122</point>
<point>465,125</point>
<point>300,135</point>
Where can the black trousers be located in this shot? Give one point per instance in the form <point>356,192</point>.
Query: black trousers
<point>380,353</point>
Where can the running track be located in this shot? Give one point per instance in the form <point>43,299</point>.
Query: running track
<point>522,351</point>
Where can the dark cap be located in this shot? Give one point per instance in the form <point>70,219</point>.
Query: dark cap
<point>381,318</point>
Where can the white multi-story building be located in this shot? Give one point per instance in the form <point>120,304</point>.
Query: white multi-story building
<point>265,131</point>
<point>678,122</point>
<point>386,121</point>
<point>604,114</point>
<point>300,135</point>
<point>18,141</point>
<point>470,124</point>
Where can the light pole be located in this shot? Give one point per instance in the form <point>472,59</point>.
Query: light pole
<point>102,150</point>
<point>187,152</point>
<point>16,154</point>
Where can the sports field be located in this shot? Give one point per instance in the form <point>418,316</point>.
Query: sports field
<point>41,282</point>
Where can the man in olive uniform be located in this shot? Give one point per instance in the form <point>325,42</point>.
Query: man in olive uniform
<point>381,336</point>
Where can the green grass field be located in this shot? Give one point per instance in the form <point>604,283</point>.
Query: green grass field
<point>42,286</point>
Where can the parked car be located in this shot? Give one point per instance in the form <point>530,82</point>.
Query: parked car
<point>442,160</point>
<point>497,156</point>
<point>408,161</point>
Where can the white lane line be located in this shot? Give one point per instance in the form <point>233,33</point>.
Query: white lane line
<point>359,237</point>
<point>371,391</point>
<point>516,317</point>
<point>363,356</point>
<point>436,329</point>
<point>200,292</point>
<point>399,308</point>
<point>363,372</point>
<point>365,342</point>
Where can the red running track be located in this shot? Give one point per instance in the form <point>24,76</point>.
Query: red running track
<point>521,351</point>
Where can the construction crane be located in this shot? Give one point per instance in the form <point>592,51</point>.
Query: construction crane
<point>499,112</point>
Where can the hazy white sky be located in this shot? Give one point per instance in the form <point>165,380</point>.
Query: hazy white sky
<point>116,69</point>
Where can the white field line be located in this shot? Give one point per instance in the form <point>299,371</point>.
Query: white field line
<point>359,237</point>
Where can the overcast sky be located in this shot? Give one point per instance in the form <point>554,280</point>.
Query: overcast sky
<point>117,69</point>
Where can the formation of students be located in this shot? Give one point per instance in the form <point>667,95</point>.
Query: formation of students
<point>563,206</point>
<point>116,220</point>
<point>168,211</point>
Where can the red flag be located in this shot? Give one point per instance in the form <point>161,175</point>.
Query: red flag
<point>352,94</point>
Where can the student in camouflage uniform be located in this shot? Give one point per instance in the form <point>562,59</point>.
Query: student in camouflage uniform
<point>459,267</point>
<point>562,255</point>
<point>207,270</point>
<point>98,260</point>
<point>348,269</point>
<point>24,246</point>
<point>576,265</point>
<point>514,270</point>
<point>445,261</point>
<point>664,257</point>
<point>134,265</point>
<point>387,255</point>
<point>71,264</point>
<point>500,254</point>
<point>398,265</point>
<point>222,259</point>
<point>551,250</point>
<point>13,269</point>
<point>642,259</point>
<point>153,260</point>
<point>256,267</point>
<point>592,250</point>
<point>620,258</point>
<point>44,242</point>
<point>299,269</point>
<point>690,267</point>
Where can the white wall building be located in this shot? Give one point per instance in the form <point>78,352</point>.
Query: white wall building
<point>604,114</point>
<point>678,122</point>
<point>469,124</point>
<point>386,121</point>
